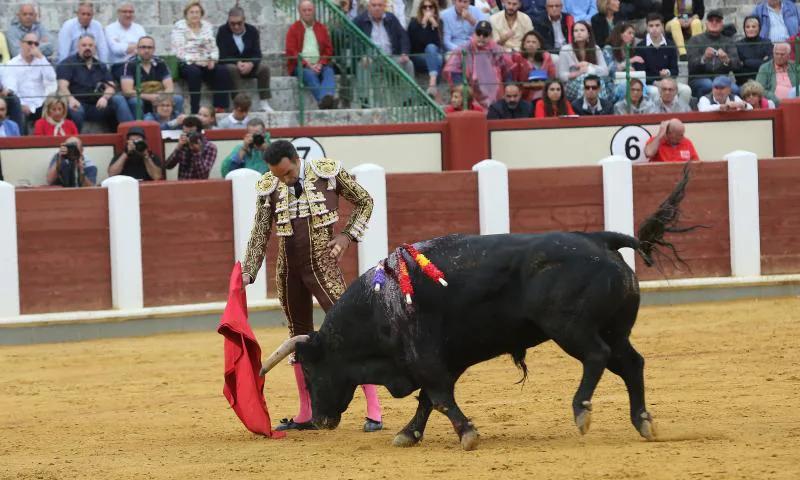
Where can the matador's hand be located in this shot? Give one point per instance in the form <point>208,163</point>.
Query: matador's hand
<point>339,245</point>
<point>246,280</point>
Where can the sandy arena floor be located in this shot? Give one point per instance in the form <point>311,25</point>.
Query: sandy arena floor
<point>722,382</point>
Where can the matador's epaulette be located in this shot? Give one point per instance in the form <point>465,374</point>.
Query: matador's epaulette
<point>266,185</point>
<point>328,169</point>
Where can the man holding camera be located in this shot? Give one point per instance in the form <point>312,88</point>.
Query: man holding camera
<point>69,168</point>
<point>137,161</point>
<point>194,153</point>
<point>87,85</point>
<point>250,153</point>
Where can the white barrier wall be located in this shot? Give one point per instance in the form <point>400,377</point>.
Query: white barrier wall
<point>493,197</point>
<point>618,200</point>
<point>243,183</point>
<point>9,263</point>
<point>744,213</point>
<point>125,230</point>
<point>375,243</point>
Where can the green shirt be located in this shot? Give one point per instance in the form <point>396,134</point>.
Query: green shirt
<point>254,159</point>
<point>310,51</point>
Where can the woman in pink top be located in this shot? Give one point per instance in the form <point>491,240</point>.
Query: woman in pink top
<point>532,66</point>
<point>193,42</point>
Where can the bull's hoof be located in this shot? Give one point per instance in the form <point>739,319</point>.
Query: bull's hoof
<point>647,428</point>
<point>469,440</point>
<point>584,419</point>
<point>403,439</point>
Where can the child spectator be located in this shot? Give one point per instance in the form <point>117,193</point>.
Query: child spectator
<point>457,100</point>
<point>239,117</point>
<point>207,117</point>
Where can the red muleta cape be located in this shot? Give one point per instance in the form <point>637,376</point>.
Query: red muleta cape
<point>244,388</point>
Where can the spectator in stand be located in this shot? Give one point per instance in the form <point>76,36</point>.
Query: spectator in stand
<point>395,7</point>
<point>711,54</point>
<point>591,103</point>
<point>554,102</point>
<point>660,59</point>
<point>488,67</point>
<point>780,19</point>
<point>89,88</point>
<point>123,37</point>
<point>639,105</point>
<point>511,106</point>
<point>721,99</point>
<point>535,9</point>
<point>620,41</point>
<point>604,21</point>
<point>239,46</point>
<point>752,50</point>
<point>192,41</point>
<point>28,75</point>
<point>69,167</point>
<point>239,116</point>
<point>194,154</point>
<point>154,78</point>
<point>425,35</point>
<point>387,34</point>
<point>668,100</point>
<point>164,113</point>
<point>510,25</point>
<point>670,144</point>
<point>8,127</point>
<point>207,117</point>
<point>580,59</point>
<point>316,52</point>
<point>75,28</point>
<point>753,94</point>
<point>532,67</point>
<point>684,21</point>
<point>636,9</point>
<point>556,27</point>
<point>27,22</point>
<point>137,161</point>
<point>54,121</point>
<point>582,10</point>
<point>457,100</point>
<point>250,153</point>
<point>779,76</point>
<point>459,24</point>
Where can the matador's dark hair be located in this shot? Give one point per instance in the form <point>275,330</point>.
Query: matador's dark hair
<point>279,150</point>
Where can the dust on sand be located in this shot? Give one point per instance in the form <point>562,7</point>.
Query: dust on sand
<point>722,382</point>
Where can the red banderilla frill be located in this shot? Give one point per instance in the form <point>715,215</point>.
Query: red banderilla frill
<point>430,270</point>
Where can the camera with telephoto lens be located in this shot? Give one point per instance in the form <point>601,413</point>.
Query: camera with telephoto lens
<point>139,146</point>
<point>73,153</point>
<point>193,137</point>
<point>258,139</point>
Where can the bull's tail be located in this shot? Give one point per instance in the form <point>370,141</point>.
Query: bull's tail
<point>664,220</point>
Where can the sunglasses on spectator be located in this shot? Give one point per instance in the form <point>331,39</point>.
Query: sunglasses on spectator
<point>32,42</point>
<point>591,87</point>
<point>427,7</point>
<point>483,34</point>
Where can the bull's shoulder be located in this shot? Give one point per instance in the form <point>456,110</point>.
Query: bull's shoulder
<point>266,184</point>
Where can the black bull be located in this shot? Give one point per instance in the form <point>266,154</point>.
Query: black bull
<point>506,293</point>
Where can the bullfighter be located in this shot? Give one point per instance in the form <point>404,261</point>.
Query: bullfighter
<point>302,197</point>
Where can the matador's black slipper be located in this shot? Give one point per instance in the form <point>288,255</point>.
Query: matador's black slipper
<point>290,424</point>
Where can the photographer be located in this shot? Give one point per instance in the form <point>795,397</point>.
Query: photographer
<point>137,160</point>
<point>249,154</point>
<point>69,168</point>
<point>194,153</point>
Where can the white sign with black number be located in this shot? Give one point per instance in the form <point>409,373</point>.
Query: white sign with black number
<point>308,148</point>
<point>629,142</point>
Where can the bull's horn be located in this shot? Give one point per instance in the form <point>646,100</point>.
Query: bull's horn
<point>282,352</point>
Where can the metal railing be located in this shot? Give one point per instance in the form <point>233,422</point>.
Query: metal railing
<point>372,79</point>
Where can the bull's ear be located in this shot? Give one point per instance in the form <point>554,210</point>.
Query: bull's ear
<point>310,351</point>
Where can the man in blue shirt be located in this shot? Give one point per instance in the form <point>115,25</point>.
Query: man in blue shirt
<point>459,23</point>
<point>8,128</point>
<point>89,88</point>
<point>74,28</point>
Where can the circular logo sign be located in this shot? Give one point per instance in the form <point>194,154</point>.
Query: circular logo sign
<point>629,142</point>
<point>308,148</point>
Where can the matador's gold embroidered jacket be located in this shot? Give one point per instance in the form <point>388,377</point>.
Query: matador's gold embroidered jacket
<point>324,180</point>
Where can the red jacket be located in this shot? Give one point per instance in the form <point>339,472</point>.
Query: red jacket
<point>294,44</point>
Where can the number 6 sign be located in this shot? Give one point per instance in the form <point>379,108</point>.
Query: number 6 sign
<point>629,142</point>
